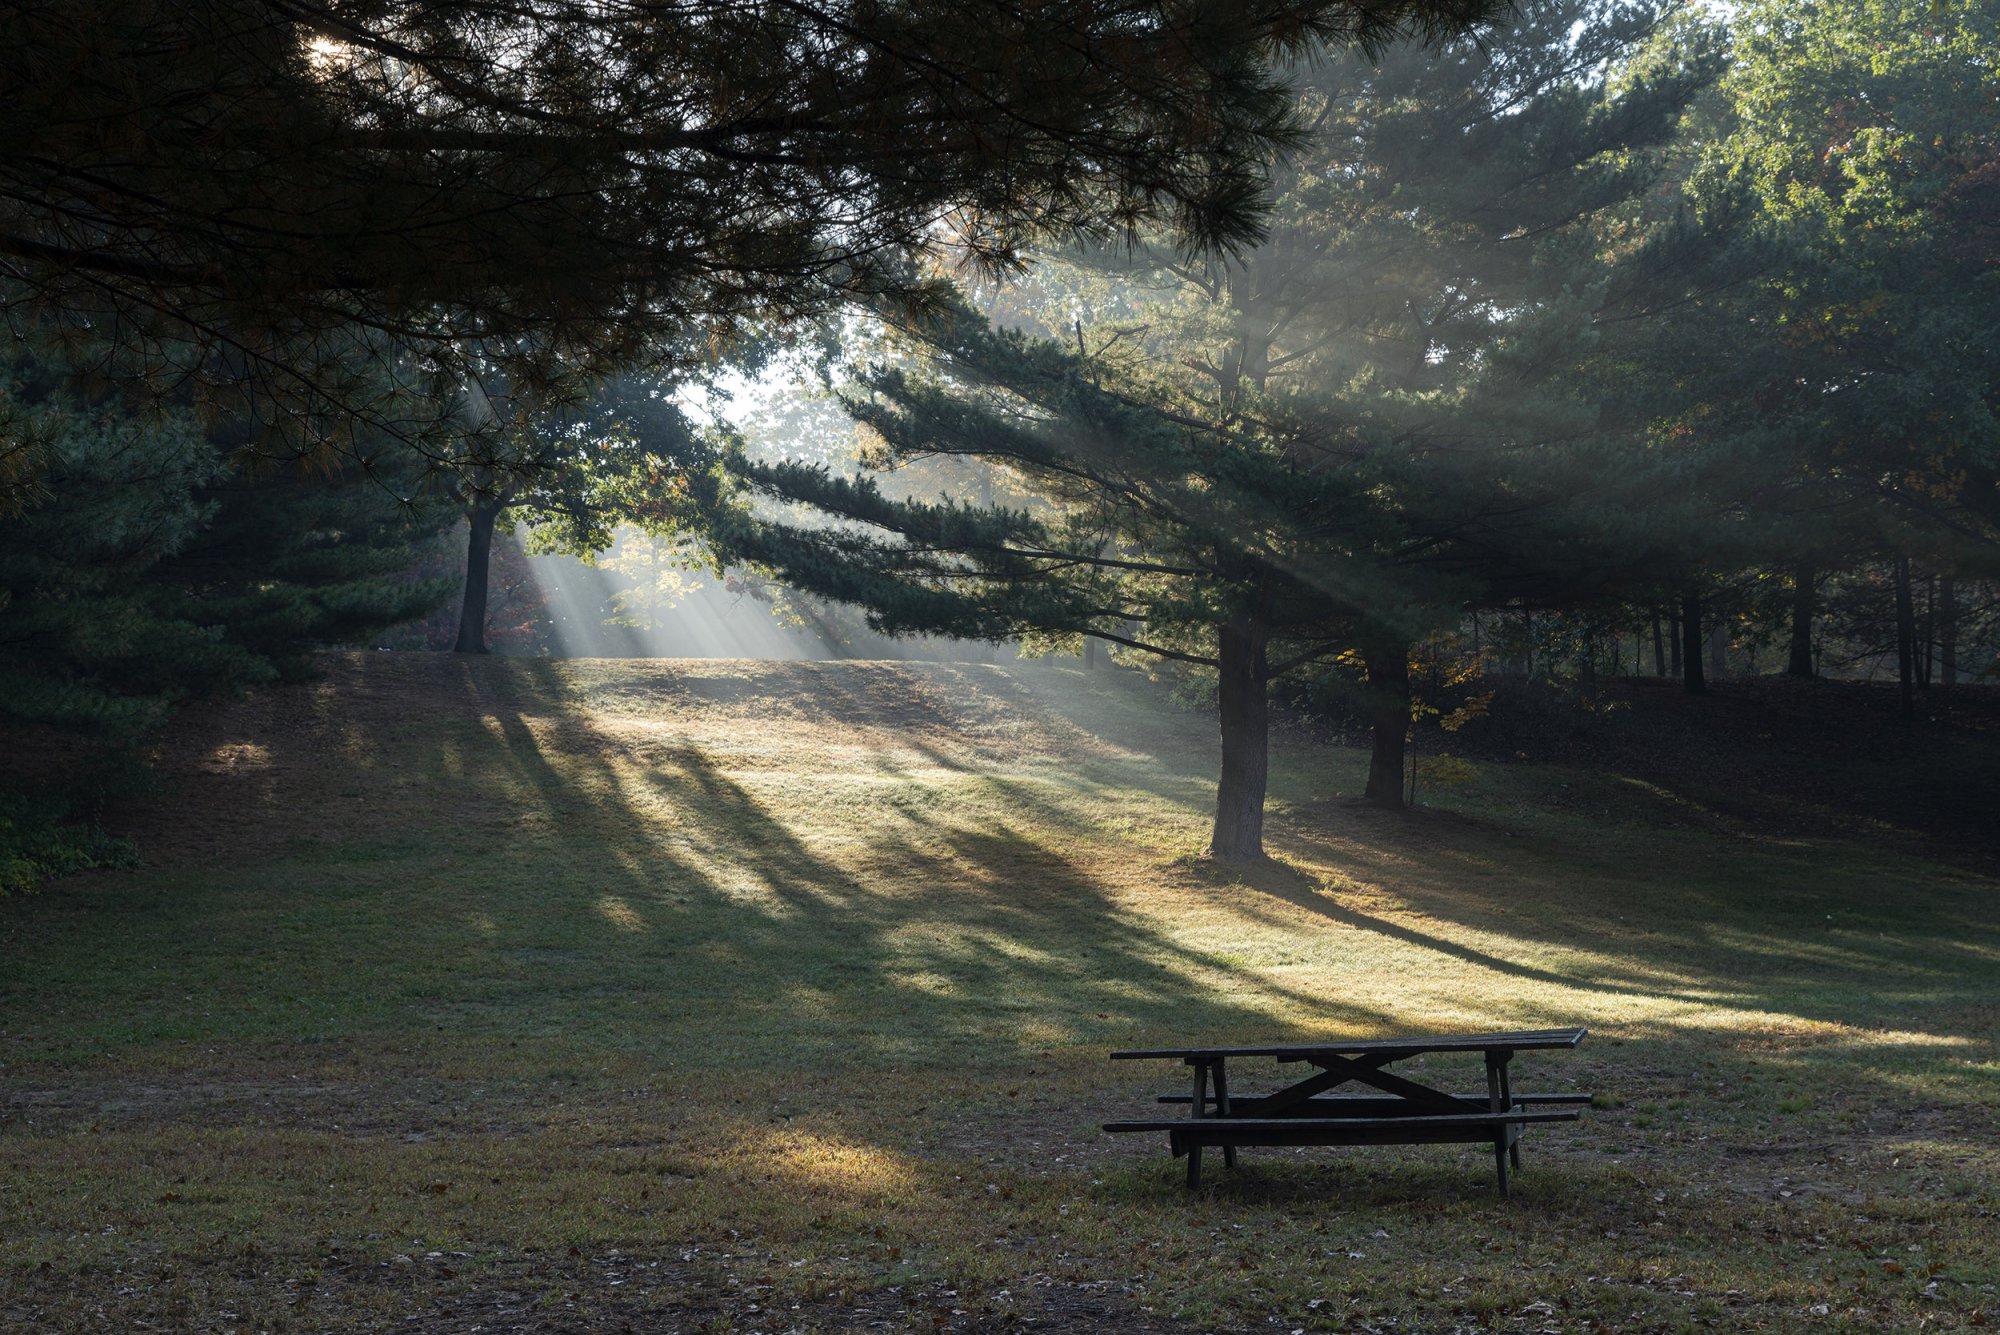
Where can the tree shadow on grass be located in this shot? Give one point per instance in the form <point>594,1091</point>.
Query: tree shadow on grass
<point>919,936</point>
<point>527,868</point>
<point>1796,931</point>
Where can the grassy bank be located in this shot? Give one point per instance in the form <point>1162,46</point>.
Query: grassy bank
<point>723,996</point>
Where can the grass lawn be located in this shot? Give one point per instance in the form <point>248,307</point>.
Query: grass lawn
<point>708,996</point>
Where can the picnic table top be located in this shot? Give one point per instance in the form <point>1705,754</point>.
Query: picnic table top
<point>1513,1040</point>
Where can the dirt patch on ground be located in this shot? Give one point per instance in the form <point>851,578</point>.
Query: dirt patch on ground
<point>694,1291</point>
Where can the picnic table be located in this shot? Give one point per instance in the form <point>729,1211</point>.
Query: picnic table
<point>1399,1111</point>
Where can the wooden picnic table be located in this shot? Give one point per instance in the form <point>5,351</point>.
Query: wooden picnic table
<point>1400,1111</point>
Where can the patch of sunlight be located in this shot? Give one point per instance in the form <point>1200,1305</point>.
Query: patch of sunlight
<point>483,923</point>
<point>1046,1032</point>
<point>620,914</point>
<point>805,1001</point>
<point>1771,1031</point>
<point>823,1163</point>
<point>632,864</point>
<point>240,755</point>
<point>928,980</point>
<point>1665,795</point>
<point>757,891</point>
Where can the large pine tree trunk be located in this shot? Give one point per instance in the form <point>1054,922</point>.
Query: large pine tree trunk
<point>1690,643</point>
<point>1388,669</point>
<point>1246,740</point>
<point>1798,663</point>
<point>482,514</point>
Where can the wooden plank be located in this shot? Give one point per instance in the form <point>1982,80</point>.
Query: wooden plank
<point>1223,1126</point>
<point>1337,1100</point>
<point>1359,1132</point>
<point>1516,1040</point>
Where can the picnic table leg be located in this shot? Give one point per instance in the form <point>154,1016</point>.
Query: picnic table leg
<point>1499,1098</point>
<point>1222,1106</point>
<point>1200,1109</point>
<point>1507,1098</point>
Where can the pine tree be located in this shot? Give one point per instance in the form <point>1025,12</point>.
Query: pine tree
<point>1167,536</point>
<point>151,567</point>
<point>238,186</point>
<point>287,563</point>
<point>1333,443</point>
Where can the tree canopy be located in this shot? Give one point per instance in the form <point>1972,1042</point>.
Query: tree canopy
<point>248,187</point>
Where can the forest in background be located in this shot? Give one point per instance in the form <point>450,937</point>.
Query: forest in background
<point>1624,339</point>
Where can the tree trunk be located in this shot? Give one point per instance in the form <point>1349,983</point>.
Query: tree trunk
<point>1906,641</point>
<point>1089,652</point>
<point>1659,646</point>
<point>1927,636</point>
<point>482,514</point>
<point>1718,650</point>
<point>1947,633</point>
<point>1246,740</point>
<point>1799,662</point>
<point>1388,669</point>
<point>1690,644</point>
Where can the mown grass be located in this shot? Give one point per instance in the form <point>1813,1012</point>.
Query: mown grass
<point>765,997</point>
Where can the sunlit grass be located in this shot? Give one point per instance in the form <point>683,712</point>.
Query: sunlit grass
<point>792,984</point>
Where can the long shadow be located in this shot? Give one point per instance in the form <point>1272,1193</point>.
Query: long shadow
<point>1291,886</point>
<point>1806,931</point>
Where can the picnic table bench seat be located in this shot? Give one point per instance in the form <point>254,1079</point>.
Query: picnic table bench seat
<point>1399,1110</point>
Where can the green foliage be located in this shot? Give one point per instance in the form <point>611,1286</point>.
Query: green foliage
<point>84,639</point>
<point>41,840</point>
<point>157,569</point>
<point>1869,132</point>
<point>152,566</point>
<point>582,184</point>
<point>289,562</point>
<point>1386,412</point>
